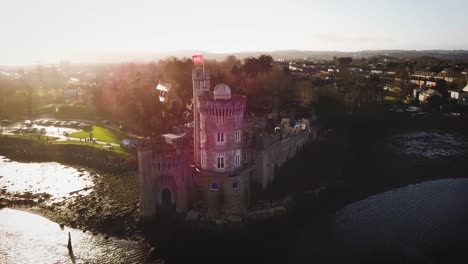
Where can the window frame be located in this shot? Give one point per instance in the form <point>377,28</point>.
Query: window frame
<point>214,186</point>
<point>235,183</point>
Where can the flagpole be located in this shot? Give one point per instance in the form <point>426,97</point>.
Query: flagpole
<point>204,81</point>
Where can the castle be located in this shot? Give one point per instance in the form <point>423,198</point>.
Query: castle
<point>212,166</point>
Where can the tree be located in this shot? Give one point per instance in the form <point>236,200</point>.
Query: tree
<point>345,61</point>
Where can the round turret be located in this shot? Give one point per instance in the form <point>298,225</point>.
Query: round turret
<point>221,92</point>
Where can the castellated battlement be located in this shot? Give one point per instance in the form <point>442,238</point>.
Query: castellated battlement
<point>166,163</point>
<point>230,107</point>
<point>266,139</point>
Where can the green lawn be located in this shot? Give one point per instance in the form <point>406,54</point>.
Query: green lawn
<point>33,137</point>
<point>116,149</point>
<point>100,134</point>
<point>390,98</point>
<point>42,139</point>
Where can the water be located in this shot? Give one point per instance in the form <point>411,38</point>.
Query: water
<point>415,223</point>
<point>29,238</point>
<point>429,144</point>
<point>52,178</point>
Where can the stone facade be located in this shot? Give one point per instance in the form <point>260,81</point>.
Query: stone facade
<point>213,170</point>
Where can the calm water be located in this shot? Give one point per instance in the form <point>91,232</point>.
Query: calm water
<point>29,238</point>
<point>43,177</point>
<point>429,144</point>
<point>419,222</point>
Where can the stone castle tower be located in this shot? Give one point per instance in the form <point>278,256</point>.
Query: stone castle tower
<point>223,175</point>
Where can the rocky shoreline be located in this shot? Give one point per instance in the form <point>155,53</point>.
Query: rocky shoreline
<point>109,207</point>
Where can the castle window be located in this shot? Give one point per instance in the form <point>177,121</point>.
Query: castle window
<point>219,116</point>
<point>235,185</point>
<point>237,159</point>
<point>214,186</point>
<point>237,135</point>
<point>220,160</point>
<point>220,138</point>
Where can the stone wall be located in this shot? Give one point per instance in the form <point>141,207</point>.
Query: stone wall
<point>225,200</point>
<point>275,154</point>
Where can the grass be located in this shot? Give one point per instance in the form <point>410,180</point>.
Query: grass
<point>100,134</point>
<point>33,137</point>
<point>390,98</point>
<point>42,139</point>
<point>116,149</point>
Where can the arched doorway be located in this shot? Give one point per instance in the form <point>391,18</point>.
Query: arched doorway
<point>166,199</point>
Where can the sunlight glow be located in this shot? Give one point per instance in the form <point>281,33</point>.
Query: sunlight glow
<point>52,30</point>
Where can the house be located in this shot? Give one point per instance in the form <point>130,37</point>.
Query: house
<point>71,92</point>
<point>423,74</point>
<point>461,96</point>
<point>163,89</point>
<point>430,82</point>
<point>424,96</point>
<point>416,92</point>
<point>376,72</point>
<point>391,88</point>
<point>448,75</point>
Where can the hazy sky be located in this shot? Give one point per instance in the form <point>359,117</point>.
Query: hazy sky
<point>50,30</point>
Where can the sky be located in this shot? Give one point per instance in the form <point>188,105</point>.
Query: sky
<point>40,31</point>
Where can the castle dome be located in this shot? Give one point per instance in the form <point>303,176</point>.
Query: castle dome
<point>221,92</point>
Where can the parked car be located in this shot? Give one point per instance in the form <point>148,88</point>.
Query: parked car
<point>28,123</point>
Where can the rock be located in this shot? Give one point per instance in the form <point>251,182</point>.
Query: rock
<point>152,251</point>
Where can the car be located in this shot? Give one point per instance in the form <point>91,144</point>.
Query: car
<point>42,130</point>
<point>55,123</point>
<point>63,123</point>
<point>73,123</point>
<point>28,123</point>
